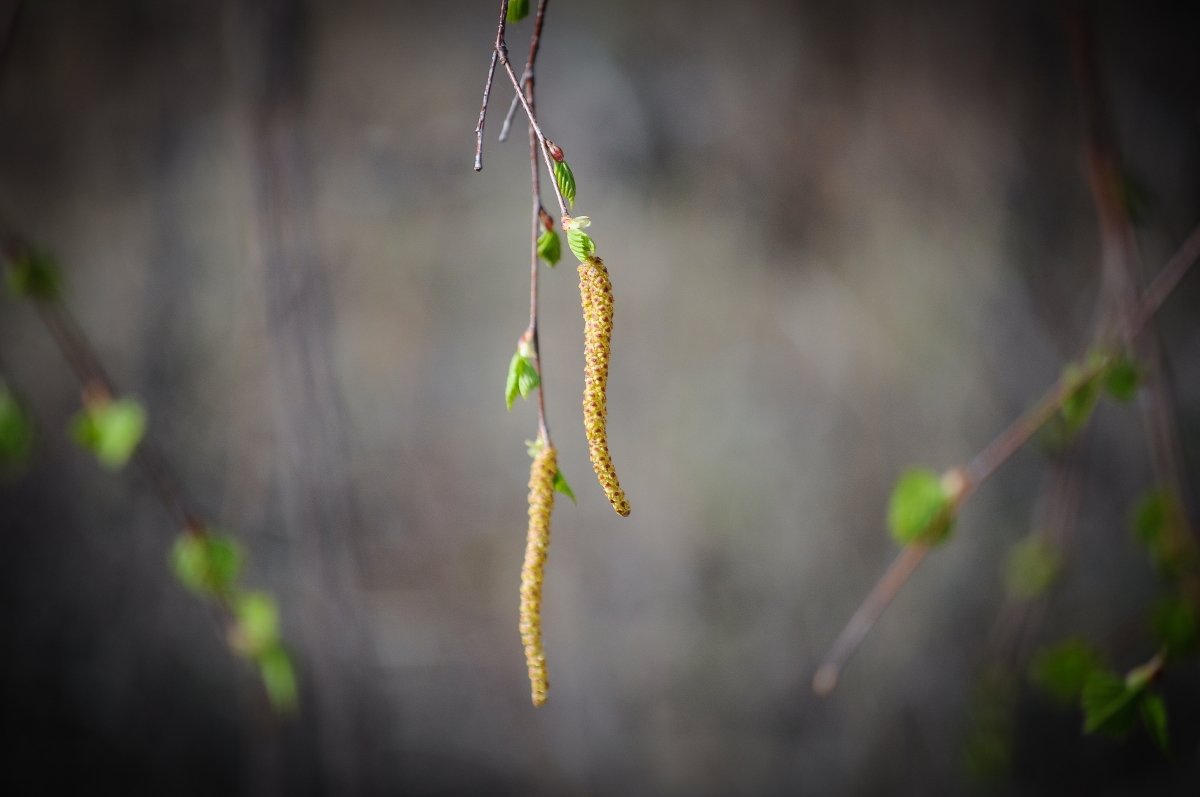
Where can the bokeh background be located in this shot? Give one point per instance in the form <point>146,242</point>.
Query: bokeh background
<point>845,239</point>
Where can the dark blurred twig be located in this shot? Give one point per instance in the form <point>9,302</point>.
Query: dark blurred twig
<point>984,464</point>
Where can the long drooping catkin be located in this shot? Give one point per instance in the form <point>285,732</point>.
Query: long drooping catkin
<point>537,542</point>
<point>595,290</point>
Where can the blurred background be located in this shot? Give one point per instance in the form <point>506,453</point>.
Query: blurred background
<point>845,239</point>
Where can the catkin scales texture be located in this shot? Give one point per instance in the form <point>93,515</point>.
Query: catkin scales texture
<point>595,290</point>
<point>537,543</point>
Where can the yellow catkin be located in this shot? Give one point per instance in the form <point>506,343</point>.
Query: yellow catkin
<point>537,543</point>
<point>595,290</point>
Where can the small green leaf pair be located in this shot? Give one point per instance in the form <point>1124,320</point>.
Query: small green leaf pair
<point>1116,375</point>
<point>111,430</point>
<point>1157,520</point>
<point>1111,705</point>
<point>256,635</point>
<point>1074,671</point>
<point>207,564</point>
<point>921,509</point>
<point>522,379</point>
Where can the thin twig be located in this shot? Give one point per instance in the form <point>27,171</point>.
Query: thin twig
<point>536,225</point>
<point>487,86</point>
<point>983,465</point>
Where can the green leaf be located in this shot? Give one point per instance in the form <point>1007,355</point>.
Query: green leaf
<point>1109,704</point>
<point>549,248</point>
<point>560,484</point>
<point>33,275</point>
<point>206,563</point>
<point>517,10</point>
<point>1154,715</point>
<point>257,623</point>
<point>920,509</point>
<point>522,379</point>
<point>111,430</point>
<point>566,182</point>
<point>1122,378</point>
<point>1031,567</point>
<point>16,431</point>
<point>279,678</point>
<point>1174,623</point>
<point>582,245</point>
<point>1155,519</point>
<point>1062,670</point>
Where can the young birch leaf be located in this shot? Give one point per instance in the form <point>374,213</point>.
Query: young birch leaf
<point>549,248</point>
<point>512,383</point>
<point>257,623</point>
<point>566,182</point>
<point>1109,704</point>
<point>34,276</point>
<point>1122,379</point>
<point>1031,567</point>
<point>206,563</point>
<point>560,484</point>
<point>517,10</point>
<point>1154,715</point>
<point>16,431</point>
<point>920,508</point>
<point>582,245</point>
<point>279,678</point>
<point>111,430</point>
<point>527,377</point>
<point>1061,671</point>
<point>1174,624</point>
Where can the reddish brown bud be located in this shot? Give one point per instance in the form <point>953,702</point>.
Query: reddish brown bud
<point>555,151</point>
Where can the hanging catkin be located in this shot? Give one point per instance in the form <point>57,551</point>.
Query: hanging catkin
<point>537,542</point>
<point>595,290</point>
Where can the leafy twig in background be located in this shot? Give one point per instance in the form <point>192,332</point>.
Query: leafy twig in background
<point>113,429</point>
<point>1070,400</point>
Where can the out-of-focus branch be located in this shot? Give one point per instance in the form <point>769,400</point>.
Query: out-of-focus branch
<point>983,465</point>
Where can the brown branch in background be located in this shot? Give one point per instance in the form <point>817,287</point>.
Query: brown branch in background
<point>982,466</point>
<point>95,383</point>
<point>535,42</point>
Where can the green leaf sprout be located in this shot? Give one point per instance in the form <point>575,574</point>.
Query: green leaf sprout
<point>111,430</point>
<point>1062,670</point>
<point>565,179</point>
<point>207,564</point>
<point>549,248</point>
<point>522,379</point>
<point>920,509</point>
<point>560,484</point>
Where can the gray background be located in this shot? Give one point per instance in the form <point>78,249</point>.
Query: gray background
<point>845,238</point>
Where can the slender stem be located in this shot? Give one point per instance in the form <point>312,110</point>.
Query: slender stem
<point>536,225</point>
<point>984,464</point>
<point>512,76</point>
<point>487,85</point>
<point>84,362</point>
<point>535,42</point>
<point>864,619</point>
